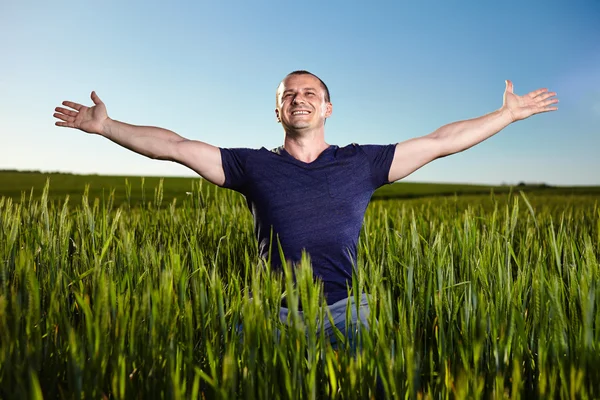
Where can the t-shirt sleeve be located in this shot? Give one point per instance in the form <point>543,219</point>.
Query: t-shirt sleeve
<point>234,163</point>
<point>380,160</point>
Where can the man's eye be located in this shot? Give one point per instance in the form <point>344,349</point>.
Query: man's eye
<point>310,93</point>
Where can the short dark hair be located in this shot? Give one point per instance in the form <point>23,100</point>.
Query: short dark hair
<point>303,72</point>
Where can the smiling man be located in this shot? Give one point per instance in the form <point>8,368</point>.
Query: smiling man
<point>307,195</point>
<point>311,196</point>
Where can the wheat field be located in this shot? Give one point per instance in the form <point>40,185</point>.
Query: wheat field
<point>471,297</point>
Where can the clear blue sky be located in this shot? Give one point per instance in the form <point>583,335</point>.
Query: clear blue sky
<point>397,70</point>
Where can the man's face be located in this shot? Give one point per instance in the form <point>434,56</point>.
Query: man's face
<point>301,103</point>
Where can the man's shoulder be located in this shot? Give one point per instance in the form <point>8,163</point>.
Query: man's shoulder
<point>366,152</point>
<point>353,147</point>
<point>247,151</point>
<point>347,149</point>
<point>350,150</point>
<point>251,158</point>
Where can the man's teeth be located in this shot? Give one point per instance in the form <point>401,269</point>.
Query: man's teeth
<point>299,112</point>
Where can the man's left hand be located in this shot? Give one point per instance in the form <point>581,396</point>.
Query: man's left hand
<point>521,107</point>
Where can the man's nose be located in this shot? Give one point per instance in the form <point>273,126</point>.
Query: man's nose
<point>298,99</point>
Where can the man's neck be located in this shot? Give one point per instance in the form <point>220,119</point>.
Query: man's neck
<point>305,148</point>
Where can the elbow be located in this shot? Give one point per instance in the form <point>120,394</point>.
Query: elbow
<point>163,157</point>
<point>446,145</point>
<point>441,145</point>
<point>168,151</point>
<point>449,139</point>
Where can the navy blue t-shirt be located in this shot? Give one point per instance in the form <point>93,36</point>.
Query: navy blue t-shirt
<point>317,207</point>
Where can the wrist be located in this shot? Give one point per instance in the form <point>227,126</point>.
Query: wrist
<point>506,115</point>
<point>108,127</point>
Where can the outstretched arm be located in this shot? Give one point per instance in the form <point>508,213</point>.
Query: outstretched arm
<point>150,141</point>
<point>458,136</point>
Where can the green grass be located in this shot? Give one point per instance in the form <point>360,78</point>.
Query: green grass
<point>472,297</point>
<point>135,191</point>
<point>132,190</point>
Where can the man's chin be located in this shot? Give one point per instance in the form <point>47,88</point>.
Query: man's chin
<point>299,126</point>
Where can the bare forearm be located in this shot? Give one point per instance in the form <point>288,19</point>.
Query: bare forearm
<point>150,141</point>
<point>461,135</point>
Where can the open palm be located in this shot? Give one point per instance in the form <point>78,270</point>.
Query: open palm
<point>535,102</point>
<point>87,119</point>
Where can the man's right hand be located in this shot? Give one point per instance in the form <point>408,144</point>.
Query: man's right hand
<point>87,119</point>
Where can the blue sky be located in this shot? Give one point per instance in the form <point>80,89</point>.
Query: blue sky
<point>397,70</point>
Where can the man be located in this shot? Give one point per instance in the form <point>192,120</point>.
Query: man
<point>307,195</point>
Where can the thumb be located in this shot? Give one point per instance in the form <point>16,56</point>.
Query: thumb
<point>509,86</point>
<point>95,98</point>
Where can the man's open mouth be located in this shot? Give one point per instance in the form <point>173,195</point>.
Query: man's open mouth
<point>300,112</point>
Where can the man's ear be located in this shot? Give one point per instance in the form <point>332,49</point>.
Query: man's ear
<point>328,110</point>
<point>277,115</point>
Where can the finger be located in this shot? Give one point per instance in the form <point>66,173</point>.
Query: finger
<point>66,112</point>
<point>544,96</point>
<point>65,124</point>
<point>543,110</point>
<point>536,93</point>
<point>75,106</point>
<point>64,117</point>
<point>95,98</point>
<point>549,102</point>
<point>509,86</point>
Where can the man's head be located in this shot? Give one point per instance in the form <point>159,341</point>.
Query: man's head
<point>302,101</point>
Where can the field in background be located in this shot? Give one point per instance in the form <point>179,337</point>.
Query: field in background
<point>136,191</point>
<point>473,296</point>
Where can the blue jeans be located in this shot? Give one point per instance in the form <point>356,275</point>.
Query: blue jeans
<point>338,314</point>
